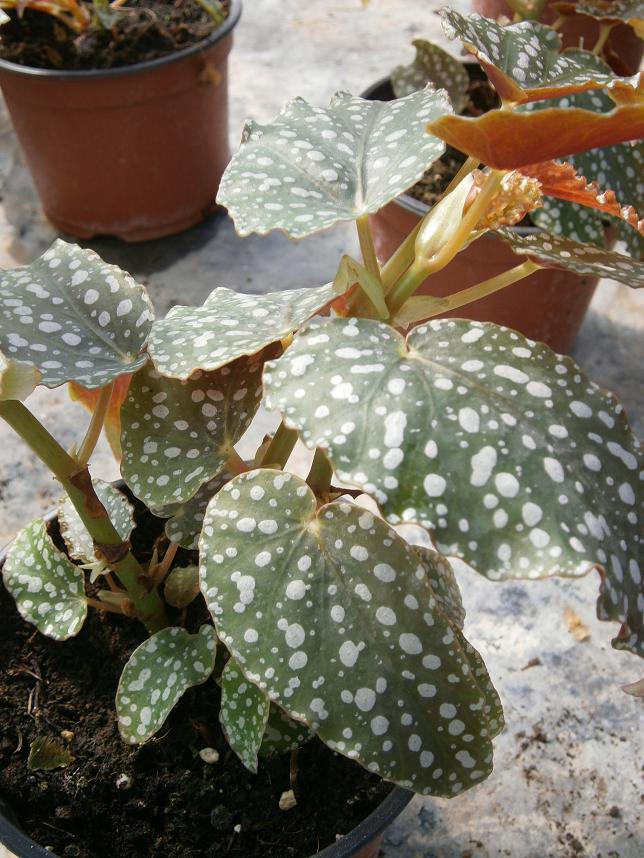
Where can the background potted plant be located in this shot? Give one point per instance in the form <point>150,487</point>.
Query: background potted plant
<point>122,111</point>
<point>317,616</point>
<point>551,305</point>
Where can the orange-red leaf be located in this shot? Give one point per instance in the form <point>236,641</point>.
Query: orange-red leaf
<point>112,425</point>
<point>562,181</point>
<point>507,140</point>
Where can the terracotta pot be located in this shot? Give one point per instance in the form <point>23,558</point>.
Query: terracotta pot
<point>548,306</point>
<point>136,152</point>
<point>623,50</point>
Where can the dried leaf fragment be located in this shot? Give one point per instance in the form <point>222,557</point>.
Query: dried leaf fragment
<point>46,754</point>
<point>576,626</point>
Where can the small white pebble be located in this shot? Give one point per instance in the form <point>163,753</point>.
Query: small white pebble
<point>237,828</point>
<point>209,755</point>
<point>287,800</point>
<point>123,781</point>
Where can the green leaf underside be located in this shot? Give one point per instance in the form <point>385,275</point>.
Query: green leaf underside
<point>523,60</point>
<point>313,167</point>
<point>558,251</point>
<point>177,435</point>
<point>505,450</point>
<point>157,675</point>
<point>47,587</point>
<point>435,66</point>
<point>17,380</point>
<point>186,519</point>
<point>80,544</point>
<point>228,326</point>
<point>74,317</point>
<point>243,714</point>
<point>182,586</point>
<point>330,612</point>
<point>46,754</point>
<point>283,734</point>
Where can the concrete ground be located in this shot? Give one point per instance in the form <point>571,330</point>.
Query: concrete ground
<point>568,776</point>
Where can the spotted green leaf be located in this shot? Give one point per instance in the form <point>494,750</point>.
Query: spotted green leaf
<point>524,61</point>
<point>74,317</point>
<point>157,675</point>
<point>330,612</point>
<point>17,380</point>
<point>435,66</point>
<point>80,544</point>
<point>443,582</point>
<point>177,435</point>
<point>243,714</point>
<point>609,11</point>
<point>506,451</point>
<point>283,734</point>
<point>181,586</point>
<point>48,588</point>
<point>228,326</point>
<point>312,167</point>
<point>185,520</point>
<point>558,251</point>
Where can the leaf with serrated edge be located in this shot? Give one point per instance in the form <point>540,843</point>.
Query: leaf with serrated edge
<point>435,66</point>
<point>48,589</point>
<point>283,734</point>
<point>177,435</point>
<point>331,613</point>
<point>228,326</point>
<point>181,586</point>
<point>157,675</point>
<point>243,714</point>
<point>17,380</point>
<point>74,317</point>
<point>506,451</point>
<point>185,520</point>
<point>524,61</point>
<point>313,167</point>
<point>80,544</point>
<point>558,251</point>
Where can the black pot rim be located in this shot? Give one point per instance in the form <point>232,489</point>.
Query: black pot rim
<point>149,65</point>
<point>371,826</point>
<point>406,201</point>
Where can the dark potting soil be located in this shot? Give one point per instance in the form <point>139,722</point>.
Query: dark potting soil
<point>145,30</point>
<point>115,801</point>
<point>482,97</point>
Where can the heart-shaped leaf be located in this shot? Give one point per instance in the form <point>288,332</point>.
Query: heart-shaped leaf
<point>228,326</point>
<point>17,380</point>
<point>80,544</point>
<point>185,520</point>
<point>524,61</point>
<point>243,714</point>
<point>112,424</point>
<point>504,449</point>
<point>558,251</point>
<point>182,586</point>
<point>48,589</point>
<point>313,166</point>
<point>331,613</point>
<point>631,12</point>
<point>157,675</point>
<point>506,139</point>
<point>435,66</point>
<point>74,317</point>
<point>177,435</point>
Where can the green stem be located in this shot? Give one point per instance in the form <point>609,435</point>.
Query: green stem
<point>321,473</point>
<point>77,484</point>
<point>95,425</point>
<point>280,448</point>
<point>367,247</point>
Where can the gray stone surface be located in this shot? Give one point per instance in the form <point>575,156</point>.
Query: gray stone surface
<point>567,778</point>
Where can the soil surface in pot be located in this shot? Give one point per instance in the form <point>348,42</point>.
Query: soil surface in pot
<point>142,30</point>
<point>161,798</point>
<point>482,97</point>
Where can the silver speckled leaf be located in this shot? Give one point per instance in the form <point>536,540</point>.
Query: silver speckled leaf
<point>181,587</point>
<point>80,544</point>
<point>177,435</point>
<point>506,451</point>
<point>229,325</point>
<point>283,734</point>
<point>523,61</point>
<point>17,380</point>
<point>185,520</point>
<point>558,251</point>
<point>444,584</point>
<point>243,714</point>
<point>74,317</point>
<point>49,590</point>
<point>157,675</point>
<point>312,166</point>
<point>435,66</point>
<point>331,613</point>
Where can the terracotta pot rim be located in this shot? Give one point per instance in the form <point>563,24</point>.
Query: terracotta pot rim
<point>149,65</point>
<point>358,838</point>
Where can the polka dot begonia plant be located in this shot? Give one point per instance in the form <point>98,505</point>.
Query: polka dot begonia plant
<point>297,603</point>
